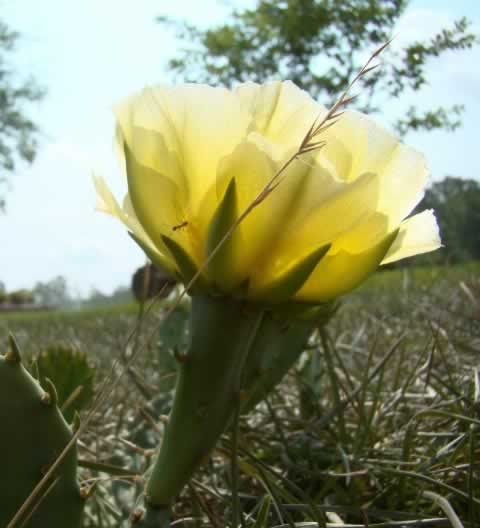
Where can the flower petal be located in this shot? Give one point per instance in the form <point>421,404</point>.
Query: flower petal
<point>404,178</point>
<point>337,274</point>
<point>199,123</point>
<point>107,203</point>
<point>373,148</point>
<point>252,168</point>
<point>280,111</point>
<point>418,234</point>
<point>336,215</point>
<point>156,201</point>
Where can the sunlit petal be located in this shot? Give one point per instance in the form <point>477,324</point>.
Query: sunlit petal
<point>418,234</point>
<point>340,273</point>
<point>197,158</point>
<point>280,111</point>
<point>107,203</point>
<point>198,124</point>
<point>343,210</point>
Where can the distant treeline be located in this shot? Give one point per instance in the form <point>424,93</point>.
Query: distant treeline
<point>17,297</point>
<point>456,202</point>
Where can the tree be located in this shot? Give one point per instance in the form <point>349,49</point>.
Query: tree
<point>53,293</point>
<point>18,133</point>
<point>457,205</point>
<point>320,45</point>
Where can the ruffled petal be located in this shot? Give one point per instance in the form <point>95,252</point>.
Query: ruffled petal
<point>157,204</point>
<point>418,234</point>
<point>373,148</point>
<point>340,273</point>
<point>107,203</point>
<point>252,169</point>
<point>403,181</point>
<point>350,204</point>
<point>280,111</point>
<point>198,124</point>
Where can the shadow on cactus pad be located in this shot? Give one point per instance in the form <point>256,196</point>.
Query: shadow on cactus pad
<point>72,374</point>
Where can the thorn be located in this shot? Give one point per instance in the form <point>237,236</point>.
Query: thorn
<point>50,396</point>
<point>87,491</point>
<point>137,516</point>
<point>181,357</point>
<point>13,353</point>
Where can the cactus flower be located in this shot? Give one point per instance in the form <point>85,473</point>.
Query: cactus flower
<point>197,156</point>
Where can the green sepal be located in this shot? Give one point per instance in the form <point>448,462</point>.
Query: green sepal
<point>285,286</point>
<point>186,266</point>
<point>221,266</point>
<point>346,271</point>
<point>368,261</point>
<point>156,258</point>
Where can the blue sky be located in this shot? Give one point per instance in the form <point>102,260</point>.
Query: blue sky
<point>91,53</point>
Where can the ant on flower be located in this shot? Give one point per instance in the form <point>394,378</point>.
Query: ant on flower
<point>180,226</point>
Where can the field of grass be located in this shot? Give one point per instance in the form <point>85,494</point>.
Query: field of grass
<point>377,426</point>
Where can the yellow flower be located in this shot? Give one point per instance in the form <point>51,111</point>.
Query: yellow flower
<point>197,156</point>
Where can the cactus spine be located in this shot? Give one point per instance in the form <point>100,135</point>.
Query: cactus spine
<point>33,434</point>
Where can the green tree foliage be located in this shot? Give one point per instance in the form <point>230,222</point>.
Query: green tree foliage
<point>18,133</point>
<point>320,45</point>
<point>456,202</point>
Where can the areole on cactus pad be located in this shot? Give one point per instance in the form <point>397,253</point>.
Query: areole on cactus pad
<point>269,260</point>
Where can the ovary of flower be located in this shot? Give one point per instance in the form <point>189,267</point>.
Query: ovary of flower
<point>196,157</point>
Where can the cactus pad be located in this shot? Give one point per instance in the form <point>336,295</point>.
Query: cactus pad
<point>33,434</point>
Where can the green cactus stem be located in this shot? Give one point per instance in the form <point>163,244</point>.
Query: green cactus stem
<point>33,434</point>
<point>276,349</point>
<point>238,351</point>
<point>207,389</point>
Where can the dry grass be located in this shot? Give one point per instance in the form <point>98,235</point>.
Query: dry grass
<point>377,426</point>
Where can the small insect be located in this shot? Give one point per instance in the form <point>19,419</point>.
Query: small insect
<point>180,226</point>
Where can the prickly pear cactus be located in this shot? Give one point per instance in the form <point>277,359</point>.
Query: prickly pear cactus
<point>72,374</point>
<point>33,433</point>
